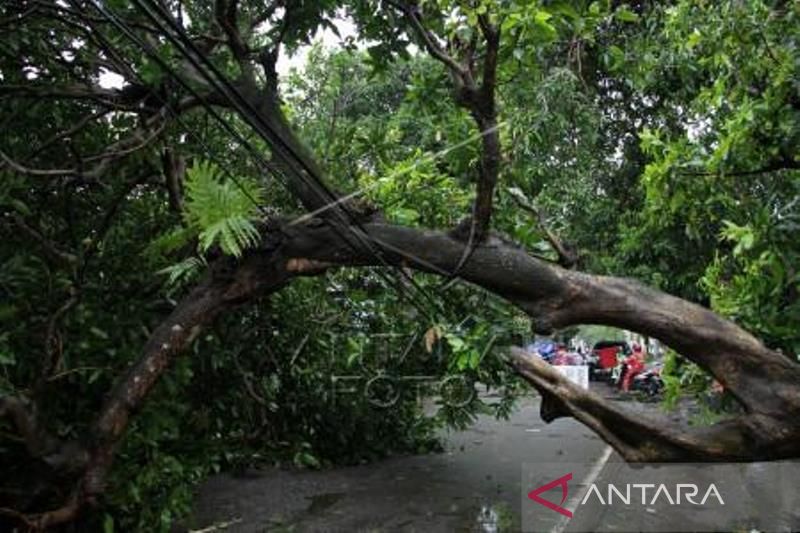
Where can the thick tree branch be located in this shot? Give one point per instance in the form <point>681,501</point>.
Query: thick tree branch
<point>484,111</point>
<point>226,285</point>
<point>479,100</point>
<point>268,55</point>
<point>174,172</point>
<point>647,438</point>
<point>764,381</point>
<point>225,12</point>
<point>491,35</point>
<point>761,379</point>
<point>25,417</point>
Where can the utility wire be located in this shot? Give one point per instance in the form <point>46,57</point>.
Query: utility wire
<point>126,30</point>
<point>306,173</point>
<point>229,92</point>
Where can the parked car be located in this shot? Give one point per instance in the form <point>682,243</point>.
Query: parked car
<point>604,358</point>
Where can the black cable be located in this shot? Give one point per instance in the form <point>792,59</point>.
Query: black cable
<point>254,118</point>
<point>176,115</point>
<point>227,90</point>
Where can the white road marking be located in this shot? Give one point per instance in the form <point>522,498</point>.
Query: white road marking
<point>590,478</point>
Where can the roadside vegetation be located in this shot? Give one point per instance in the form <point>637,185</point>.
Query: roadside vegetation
<point>215,265</point>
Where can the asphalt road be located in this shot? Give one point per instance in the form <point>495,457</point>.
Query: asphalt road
<point>475,485</point>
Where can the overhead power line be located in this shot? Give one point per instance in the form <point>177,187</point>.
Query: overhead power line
<point>220,83</point>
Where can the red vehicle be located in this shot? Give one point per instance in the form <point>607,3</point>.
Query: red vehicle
<point>605,357</point>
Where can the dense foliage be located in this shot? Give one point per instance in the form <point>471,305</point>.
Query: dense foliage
<point>657,140</point>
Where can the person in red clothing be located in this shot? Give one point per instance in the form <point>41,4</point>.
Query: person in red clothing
<point>633,365</point>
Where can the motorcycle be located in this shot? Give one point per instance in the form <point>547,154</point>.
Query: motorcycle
<point>649,381</point>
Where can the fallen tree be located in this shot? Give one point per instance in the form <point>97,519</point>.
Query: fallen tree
<point>763,381</point>
<point>337,232</point>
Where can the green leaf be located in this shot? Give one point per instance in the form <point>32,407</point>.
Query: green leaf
<point>406,215</point>
<point>183,271</point>
<point>456,343</point>
<point>20,207</point>
<point>222,212</point>
<point>151,72</point>
<point>306,459</point>
<point>617,56</point>
<point>7,358</point>
<point>108,524</point>
<point>97,332</point>
<point>626,15</point>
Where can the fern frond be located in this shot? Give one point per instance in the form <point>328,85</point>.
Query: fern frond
<point>221,212</point>
<point>167,243</point>
<point>183,271</point>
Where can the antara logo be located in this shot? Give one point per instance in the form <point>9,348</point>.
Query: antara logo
<point>682,492</point>
<point>534,495</point>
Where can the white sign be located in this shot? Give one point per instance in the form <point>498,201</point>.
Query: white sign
<point>578,374</point>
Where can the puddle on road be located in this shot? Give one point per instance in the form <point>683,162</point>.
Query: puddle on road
<point>491,518</point>
<point>488,520</point>
<point>496,517</point>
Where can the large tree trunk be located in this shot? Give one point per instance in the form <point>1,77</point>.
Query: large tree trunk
<point>766,383</point>
<point>226,285</point>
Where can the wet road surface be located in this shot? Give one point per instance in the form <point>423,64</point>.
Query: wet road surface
<point>474,485</point>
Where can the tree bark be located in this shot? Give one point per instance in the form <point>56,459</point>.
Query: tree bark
<point>763,381</point>
<point>226,285</point>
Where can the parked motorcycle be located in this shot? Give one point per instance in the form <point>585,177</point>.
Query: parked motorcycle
<point>649,381</point>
